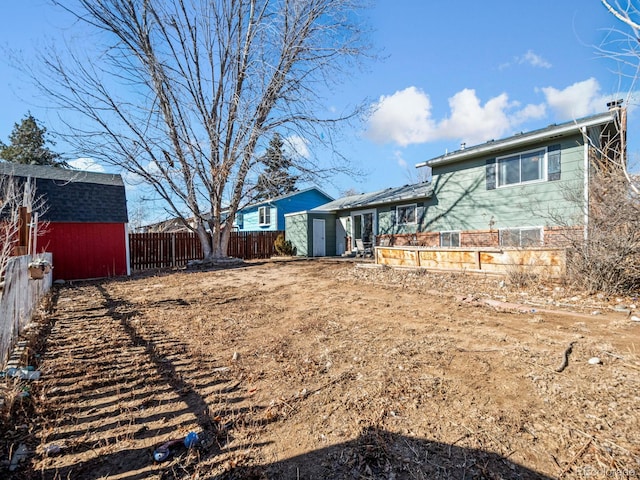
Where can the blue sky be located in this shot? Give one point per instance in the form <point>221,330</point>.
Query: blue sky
<point>463,71</point>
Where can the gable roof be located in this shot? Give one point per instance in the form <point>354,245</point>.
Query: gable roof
<point>552,132</point>
<point>388,195</point>
<point>284,197</point>
<point>57,173</point>
<point>73,195</point>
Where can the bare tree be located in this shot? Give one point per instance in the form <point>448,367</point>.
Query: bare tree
<point>13,195</point>
<point>609,258</point>
<point>603,231</point>
<point>9,220</point>
<point>184,93</point>
<point>623,46</point>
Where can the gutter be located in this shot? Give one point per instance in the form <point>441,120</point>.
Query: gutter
<point>495,146</point>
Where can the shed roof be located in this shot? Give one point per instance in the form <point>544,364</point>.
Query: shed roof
<point>388,195</point>
<point>56,173</point>
<point>72,195</point>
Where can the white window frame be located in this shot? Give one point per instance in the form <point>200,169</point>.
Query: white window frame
<point>264,215</point>
<point>449,232</point>
<point>543,177</point>
<point>519,230</point>
<point>415,214</point>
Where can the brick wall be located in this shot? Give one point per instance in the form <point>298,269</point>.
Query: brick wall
<point>480,238</point>
<point>553,237</point>
<point>562,236</point>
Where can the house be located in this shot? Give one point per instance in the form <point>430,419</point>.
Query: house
<point>171,225</point>
<point>269,215</point>
<point>263,216</point>
<point>332,228</point>
<point>83,222</point>
<point>530,189</point>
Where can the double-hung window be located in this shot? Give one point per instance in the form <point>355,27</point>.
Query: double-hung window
<point>406,214</point>
<point>449,239</point>
<point>522,168</point>
<point>264,215</point>
<point>521,237</point>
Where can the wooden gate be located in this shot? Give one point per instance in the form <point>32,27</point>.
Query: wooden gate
<point>162,250</point>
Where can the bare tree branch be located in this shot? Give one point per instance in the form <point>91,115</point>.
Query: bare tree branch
<point>184,93</point>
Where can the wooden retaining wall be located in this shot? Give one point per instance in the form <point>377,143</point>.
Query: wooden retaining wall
<point>551,262</point>
<point>19,299</point>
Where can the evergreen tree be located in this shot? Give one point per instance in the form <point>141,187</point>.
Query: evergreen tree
<point>275,180</point>
<point>28,145</point>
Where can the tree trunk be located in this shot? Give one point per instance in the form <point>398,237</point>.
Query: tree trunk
<point>205,241</point>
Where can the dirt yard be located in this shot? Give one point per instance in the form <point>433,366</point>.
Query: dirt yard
<point>328,370</point>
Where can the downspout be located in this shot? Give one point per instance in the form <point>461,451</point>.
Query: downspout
<point>586,183</point>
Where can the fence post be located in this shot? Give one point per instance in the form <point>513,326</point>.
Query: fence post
<point>173,249</point>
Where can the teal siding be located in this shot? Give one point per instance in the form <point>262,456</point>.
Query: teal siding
<point>387,218</point>
<point>299,230</point>
<point>461,200</point>
<point>330,232</point>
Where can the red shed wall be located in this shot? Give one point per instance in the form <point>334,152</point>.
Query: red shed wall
<point>85,250</point>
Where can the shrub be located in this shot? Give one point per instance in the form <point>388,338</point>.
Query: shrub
<point>283,247</point>
<point>609,260</point>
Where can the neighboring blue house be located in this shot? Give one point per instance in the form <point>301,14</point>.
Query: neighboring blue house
<point>268,215</point>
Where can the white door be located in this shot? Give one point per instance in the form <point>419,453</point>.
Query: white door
<point>318,238</point>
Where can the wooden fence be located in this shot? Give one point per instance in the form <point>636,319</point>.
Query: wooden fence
<point>162,250</point>
<point>250,245</point>
<point>19,297</point>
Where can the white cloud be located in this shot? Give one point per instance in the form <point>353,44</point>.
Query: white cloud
<point>534,60</point>
<point>297,146</point>
<point>529,112</point>
<point>405,118</point>
<point>475,123</point>
<point>86,164</point>
<point>577,100</point>
<point>133,180</point>
<point>530,58</point>
<point>397,155</point>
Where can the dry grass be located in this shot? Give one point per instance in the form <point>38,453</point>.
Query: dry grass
<point>323,370</point>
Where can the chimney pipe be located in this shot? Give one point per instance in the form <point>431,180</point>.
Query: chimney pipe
<point>615,104</point>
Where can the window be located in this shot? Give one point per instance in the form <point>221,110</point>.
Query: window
<point>406,214</point>
<point>449,239</point>
<point>521,237</point>
<point>264,215</point>
<point>239,220</point>
<point>522,168</point>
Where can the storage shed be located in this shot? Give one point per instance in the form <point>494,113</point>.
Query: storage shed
<point>84,220</point>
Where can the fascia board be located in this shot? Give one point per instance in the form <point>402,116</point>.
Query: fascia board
<point>513,142</point>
